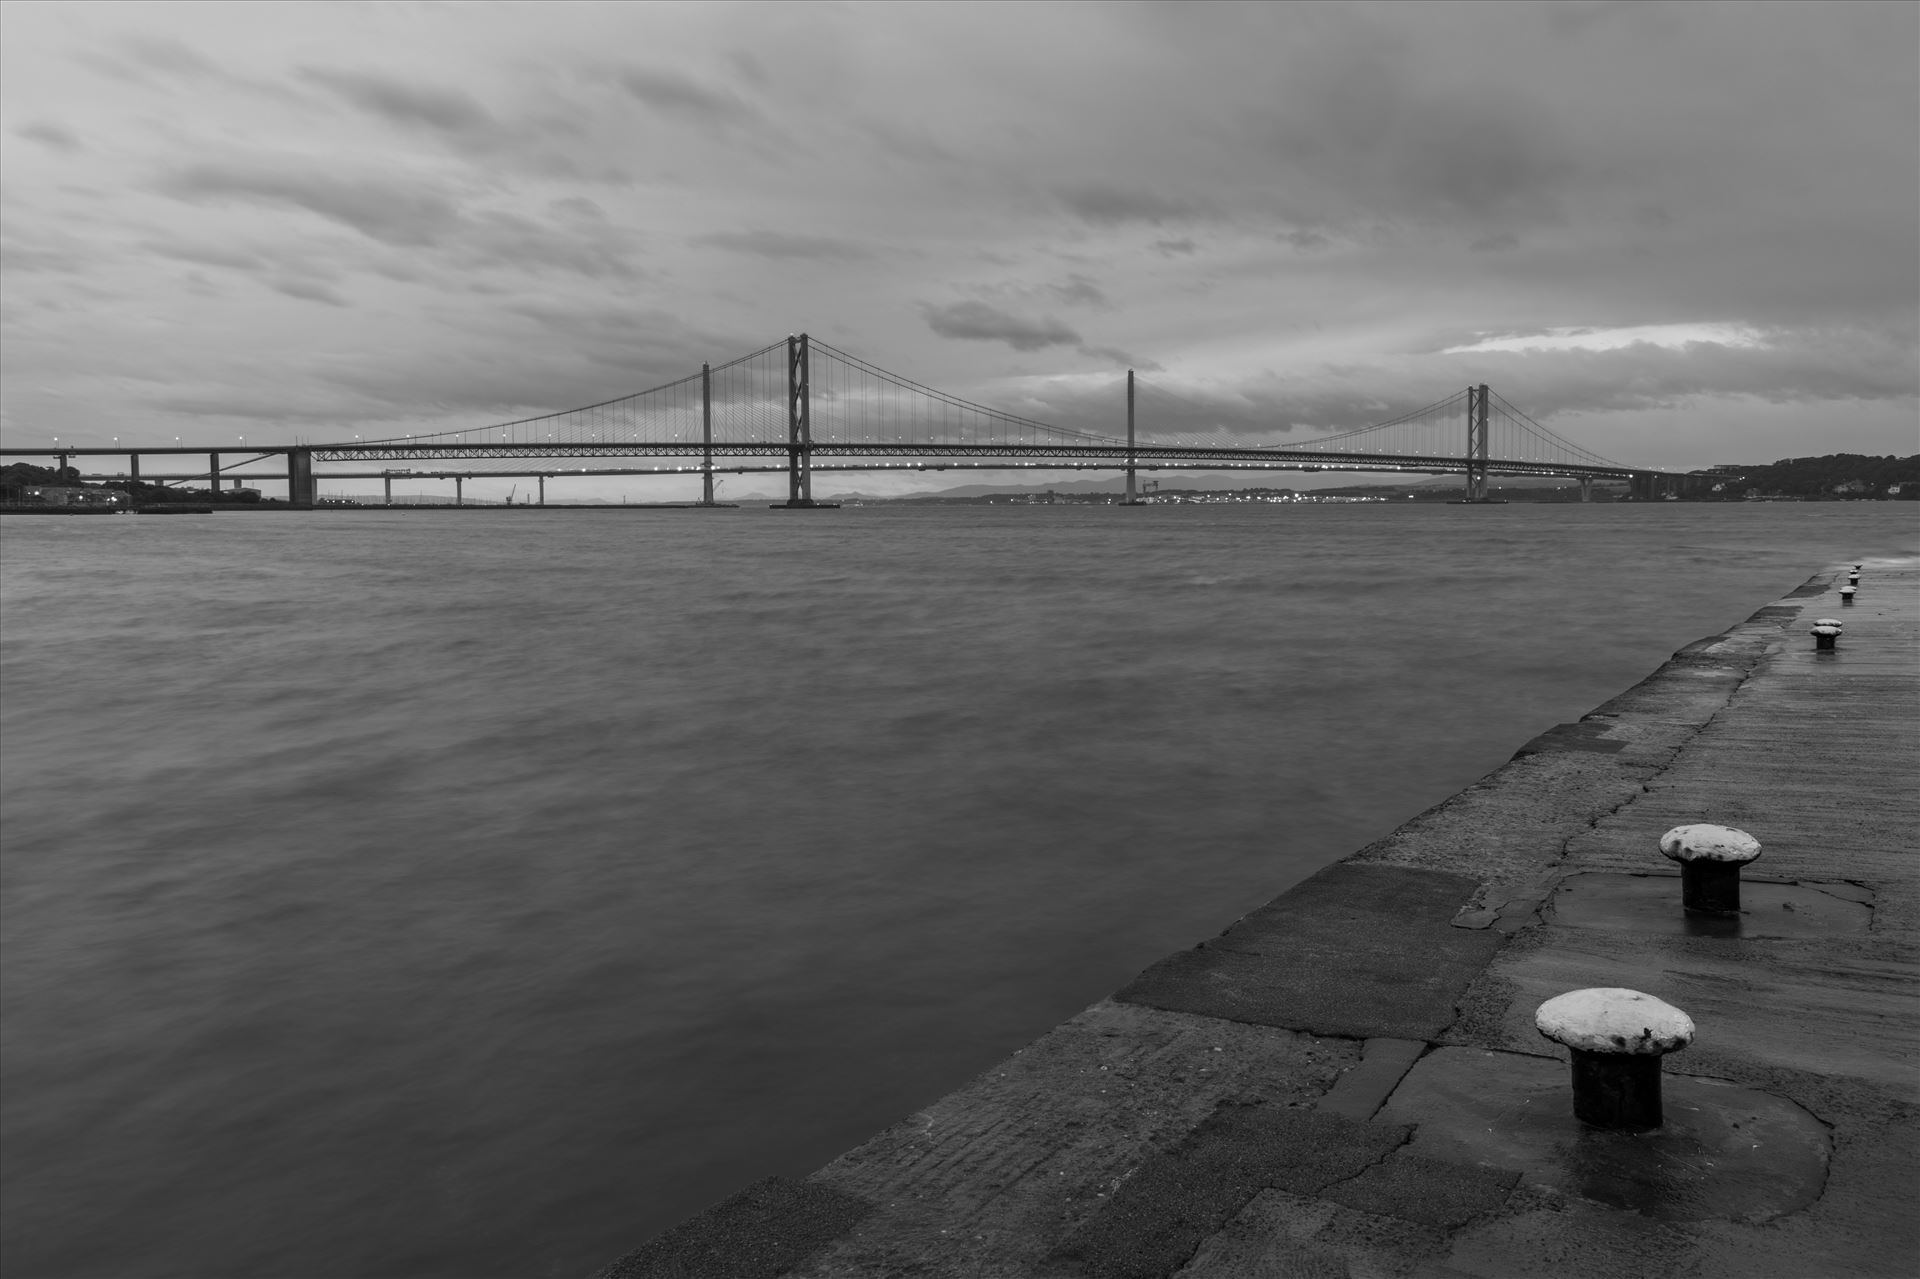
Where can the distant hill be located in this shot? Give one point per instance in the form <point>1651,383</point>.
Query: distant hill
<point>1835,476</point>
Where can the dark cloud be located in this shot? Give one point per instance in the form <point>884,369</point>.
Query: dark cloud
<point>1079,290</point>
<point>506,240</point>
<point>1114,355</point>
<point>674,94</point>
<point>1104,205</point>
<point>567,354</point>
<point>537,144</point>
<point>393,211</point>
<point>407,103</point>
<point>579,207</point>
<point>204,254</point>
<point>56,255</point>
<point>49,134</point>
<point>1174,248</point>
<point>308,291</point>
<point>979,322</point>
<point>165,54</point>
<point>786,244</point>
<point>1305,241</point>
<point>412,215</point>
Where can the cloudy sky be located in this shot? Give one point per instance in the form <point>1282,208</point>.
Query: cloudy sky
<point>1677,234</point>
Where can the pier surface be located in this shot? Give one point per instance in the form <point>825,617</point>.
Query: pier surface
<point>1348,1082</point>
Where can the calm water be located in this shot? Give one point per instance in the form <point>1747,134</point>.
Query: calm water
<point>467,895</point>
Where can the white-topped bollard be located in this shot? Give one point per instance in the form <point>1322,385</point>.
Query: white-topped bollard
<point>1846,594</point>
<point>1710,859</point>
<point>1617,1038</point>
<point>1825,632</point>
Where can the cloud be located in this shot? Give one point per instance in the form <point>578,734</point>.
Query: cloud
<point>979,322</point>
<point>1671,336</point>
<point>1305,241</point>
<point>1504,242</point>
<point>507,240</point>
<point>786,244</point>
<point>308,291</point>
<point>412,215</point>
<point>68,259</point>
<point>401,212</point>
<point>204,254</point>
<point>1114,355</point>
<point>1079,290</point>
<point>406,103</point>
<point>1104,205</point>
<point>166,54</point>
<point>673,94</point>
<point>1174,248</point>
<point>49,134</point>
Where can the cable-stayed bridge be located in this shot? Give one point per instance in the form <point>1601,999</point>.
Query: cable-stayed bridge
<point>800,405</point>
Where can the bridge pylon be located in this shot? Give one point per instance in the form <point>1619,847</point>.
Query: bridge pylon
<point>1133,498</point>
<point>800,426</point>
<point>1477,398</point>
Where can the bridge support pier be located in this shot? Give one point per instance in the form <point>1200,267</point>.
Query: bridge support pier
<point>300,485</point>
<point>213,474</point>
<point>459,490</point>
<point>543,488</point>
<point>1586,488</point>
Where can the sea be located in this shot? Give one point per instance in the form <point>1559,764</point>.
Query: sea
<point>479,893</point>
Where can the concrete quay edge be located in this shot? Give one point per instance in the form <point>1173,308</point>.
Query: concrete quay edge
<point>1309,1092</point>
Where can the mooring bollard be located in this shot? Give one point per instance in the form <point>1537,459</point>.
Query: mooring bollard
<point>1617,1038</point>
<point>1846,594</point>
<point>1825,632</point>
<point>1710,859</point>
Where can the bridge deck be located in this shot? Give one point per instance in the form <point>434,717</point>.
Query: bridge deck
<point>1348,1080</point>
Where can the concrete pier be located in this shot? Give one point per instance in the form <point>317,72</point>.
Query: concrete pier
<point>1349,1081</point>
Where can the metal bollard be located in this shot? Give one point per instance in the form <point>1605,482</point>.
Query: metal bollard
<point>1617,1038</point>
<point>1710,859</point>
<point>1846,595</point>
<point>1825,632</point>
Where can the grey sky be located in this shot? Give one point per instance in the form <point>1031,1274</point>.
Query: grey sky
<point>1679,234</point>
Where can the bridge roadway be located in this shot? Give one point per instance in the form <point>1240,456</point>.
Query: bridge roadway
<point>1347,1081</point>
<point>301,478</point>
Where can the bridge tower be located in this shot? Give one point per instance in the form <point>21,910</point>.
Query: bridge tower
<point>706,435</point>
<point>799,424</point>
<point>1477,443</point>
<point>1132,499</point>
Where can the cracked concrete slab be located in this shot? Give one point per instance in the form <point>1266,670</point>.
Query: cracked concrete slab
<point>1358,951</point>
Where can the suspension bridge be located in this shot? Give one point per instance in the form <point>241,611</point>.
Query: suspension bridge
<point>801,406</point>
